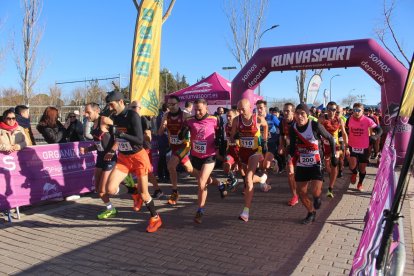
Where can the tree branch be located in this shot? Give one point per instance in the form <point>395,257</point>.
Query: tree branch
<point>168,12</point>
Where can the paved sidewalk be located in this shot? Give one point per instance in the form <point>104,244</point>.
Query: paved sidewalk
<point>66,239</point>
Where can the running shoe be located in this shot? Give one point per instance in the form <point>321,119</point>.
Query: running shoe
<point>137,202</point>
<point>317,202</point>
<point>244,216</point>
<point>360,187</point>
<point>154,224</point>
<point>157,194</point>
<point>222,190</point>
<point>293,201</point>
<point>198,217</point>
<point>173,198</point>
<point>330,193</point>
<point>265,187</point>
<point>353,178</point>
<point>309,218</point>
<point>108,213</point>
<point>232,183</point>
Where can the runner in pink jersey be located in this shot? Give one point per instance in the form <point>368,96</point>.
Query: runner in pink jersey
<point>204,142</point>
<point>359,128</point>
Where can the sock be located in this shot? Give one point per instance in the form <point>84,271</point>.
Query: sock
<point>330,189</point>
<point>109,205</point>
<point>246,210</point>
<point>361,177</point>
<point>200,210</point>
<point>263,178</point>
<point>354,170</point>
<point>151,207</point>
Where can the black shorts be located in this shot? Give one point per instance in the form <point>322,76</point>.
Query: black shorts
<point>362,155</point>
<point>305,174</point>
<point>199,162</point>
<point>272,147</point>
<point>105,165</point>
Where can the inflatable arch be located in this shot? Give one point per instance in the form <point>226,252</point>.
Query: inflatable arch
<point>363,53</point>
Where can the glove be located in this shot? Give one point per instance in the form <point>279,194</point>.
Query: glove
<point>334,161</point>
<point>116,132</point>
<point>183,133</point>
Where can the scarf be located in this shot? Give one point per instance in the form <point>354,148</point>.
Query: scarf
<point>22,121</point>
<point>5,126</point>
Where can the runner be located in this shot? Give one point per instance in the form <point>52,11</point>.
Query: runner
<point>359,127</point>
<point>136,106</point>
<point>132,156</point>
<point>203,131</point>
<point>333,124</point>
<point>173,121</point>
<point>284,142</point>
<point>231,162</point>
<point>304,150</point>
<point>103,142</point>
<point>270,139</point>
<point>246,126</point>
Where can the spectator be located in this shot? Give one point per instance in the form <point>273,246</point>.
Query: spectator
<point>12,136</point>
<point>188,107</point>
<point>276,112</point>
<point>51,128</point>
<point>74,129</point>
<point>163,148</point>
<point>23,119</point>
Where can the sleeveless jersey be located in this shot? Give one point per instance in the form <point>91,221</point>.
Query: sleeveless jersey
<point>103,140</point>
<point>307,148</point>
<point>174,125</point>
<point>202,134</point>
<point>250,139</point>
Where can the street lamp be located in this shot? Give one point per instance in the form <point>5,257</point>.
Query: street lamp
<point>330,86</point>
<point>258,44</point>
<point>229,68</point>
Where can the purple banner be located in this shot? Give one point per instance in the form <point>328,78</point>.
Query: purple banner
<point>382,196</point>
<point>44,172</point>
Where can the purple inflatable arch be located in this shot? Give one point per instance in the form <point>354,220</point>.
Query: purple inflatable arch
<point>363,53</point>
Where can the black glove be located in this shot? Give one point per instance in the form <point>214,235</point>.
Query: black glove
<point>334,161</point>
<point>264,147</point>
<point>372,139</point>
<point>183,133</point>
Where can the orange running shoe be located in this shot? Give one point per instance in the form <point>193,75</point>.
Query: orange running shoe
<point>173,198</point>
<point>353,178</point>
<point>137,202</point>
<point>154,224</point>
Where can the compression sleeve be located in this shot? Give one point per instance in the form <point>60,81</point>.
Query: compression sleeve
<point>137,135</point>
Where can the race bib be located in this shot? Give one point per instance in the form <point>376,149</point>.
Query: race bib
<point>307,159</point>
<point>359,151</point>
<point>247,142</point>
<point>98,145</point>
<point>200,146</point>
<point>174,140</point>
<point>124,145</point>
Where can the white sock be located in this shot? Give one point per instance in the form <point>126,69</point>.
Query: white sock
<point>263,178</point>
<point>109,205</point>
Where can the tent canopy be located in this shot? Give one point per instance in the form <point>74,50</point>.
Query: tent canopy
<point>212,88</point>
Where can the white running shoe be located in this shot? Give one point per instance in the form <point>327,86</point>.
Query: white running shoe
<point>244,216</point>
<point>265,187</point>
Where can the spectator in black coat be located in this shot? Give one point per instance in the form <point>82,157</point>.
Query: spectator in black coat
<point>51,128</point>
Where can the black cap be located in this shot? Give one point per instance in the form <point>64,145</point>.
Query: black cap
<point>276,109</point>
<point>114,96</point>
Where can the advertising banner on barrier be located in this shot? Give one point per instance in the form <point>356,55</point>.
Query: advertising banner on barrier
<point>382,196</point>
<point>44,172</point>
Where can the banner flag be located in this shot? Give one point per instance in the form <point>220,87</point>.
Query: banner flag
<point>145,67</point>
<point>313,88</point>
<point>408,95</point>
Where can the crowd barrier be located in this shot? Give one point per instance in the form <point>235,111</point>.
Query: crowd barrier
<point>44,172</point>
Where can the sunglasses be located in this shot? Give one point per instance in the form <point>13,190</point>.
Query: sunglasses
<point>11,118</point>
<point>172,104</point>
<point>135,106</point>
<point>72,116</point>
<point>357,110</point>
<point>331,109</point>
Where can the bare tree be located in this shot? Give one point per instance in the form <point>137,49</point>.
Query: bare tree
<point>31,36</point>
<point>11,97</point>
<point>2,50</point>
<point>300,82</point>
<point>55,94</point>
<point>388,30</point>
<point>245,19</point>
<point>95,93</point>
<point>138,5</point>
<point>349,100</point>
<point>78,96</point>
